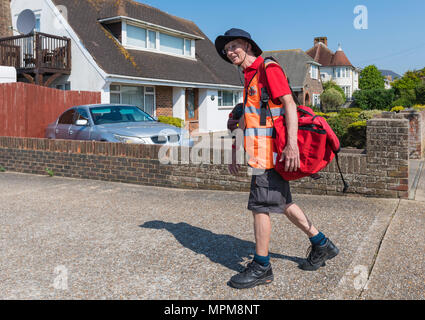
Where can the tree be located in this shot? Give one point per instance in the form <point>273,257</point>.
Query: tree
<point>332,84</point>
<point>408,88</point>
<point>331,99</point>
<point>371,78</point>
<point>420,93</point>
<point>374,99</point>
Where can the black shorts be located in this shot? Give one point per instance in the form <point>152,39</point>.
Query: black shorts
<point>269,193</point>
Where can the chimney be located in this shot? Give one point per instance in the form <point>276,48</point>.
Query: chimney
<point>323,40</point>
<point>5,19</point>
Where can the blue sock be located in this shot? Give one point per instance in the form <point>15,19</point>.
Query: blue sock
<point>318,239</point>
<point>264,261</point>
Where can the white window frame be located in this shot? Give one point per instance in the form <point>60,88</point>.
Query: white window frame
<point>145,93</point>
<point>314,72</point>
<point>316,99</point>
<point>237,98</point>
<point>157,48</point>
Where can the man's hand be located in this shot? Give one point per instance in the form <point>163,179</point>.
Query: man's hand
<point>291,156</point>
<point>291,153</point>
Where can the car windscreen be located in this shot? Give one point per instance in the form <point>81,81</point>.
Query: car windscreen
<point>117,114</point>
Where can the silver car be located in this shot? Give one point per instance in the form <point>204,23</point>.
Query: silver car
<point>115,123</point>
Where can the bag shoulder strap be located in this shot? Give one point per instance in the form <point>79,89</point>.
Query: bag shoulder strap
<point>272,60</point>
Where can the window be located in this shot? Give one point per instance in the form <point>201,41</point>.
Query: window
<point>136,36</point>
<point>65,86</point>
<point>229,98</point>
<point>187,47</point>
<point>171,44</point>
<point>316,99</point>
<point>143,97</point>
<point>157,41</point>
<point>67,117</point>
<point>37,23</point>
<point>314,71</point>
<point>82,114</point>
<point>347,91</point>
<point>117,114</point>
<point>151,39</point>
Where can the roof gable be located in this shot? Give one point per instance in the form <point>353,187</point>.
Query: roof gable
<point>294,62</point>
<point>113,58</point>
<point>323,55</point>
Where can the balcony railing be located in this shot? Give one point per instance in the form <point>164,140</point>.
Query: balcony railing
<point>39,51</point>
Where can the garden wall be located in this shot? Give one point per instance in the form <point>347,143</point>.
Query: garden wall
<point>382,171</point>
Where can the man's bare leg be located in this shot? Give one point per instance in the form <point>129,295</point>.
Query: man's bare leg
<point>262,231</point>
<point>297,217</point>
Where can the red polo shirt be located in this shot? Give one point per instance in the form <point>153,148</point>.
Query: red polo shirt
<point>277,82</point>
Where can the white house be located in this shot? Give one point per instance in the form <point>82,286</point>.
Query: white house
<point>335,66</point>
<point>7,74</point>
<point>133,53</point>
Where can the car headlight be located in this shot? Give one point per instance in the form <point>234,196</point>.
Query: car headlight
<point>127,139</point>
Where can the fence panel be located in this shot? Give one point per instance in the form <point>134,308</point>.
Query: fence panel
<point>27,109</point>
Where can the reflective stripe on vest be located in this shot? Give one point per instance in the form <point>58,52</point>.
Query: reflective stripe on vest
<point>251,109</point>
<point>258,139</point>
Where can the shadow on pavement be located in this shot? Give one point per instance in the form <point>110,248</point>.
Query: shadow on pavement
<point>219,248</point>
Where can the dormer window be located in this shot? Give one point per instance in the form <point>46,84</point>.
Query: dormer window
<point>140,35</point>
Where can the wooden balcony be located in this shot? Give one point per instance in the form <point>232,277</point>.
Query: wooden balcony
<point>39,57</point>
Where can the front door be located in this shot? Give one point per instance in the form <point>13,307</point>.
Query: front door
<point>192,109</point>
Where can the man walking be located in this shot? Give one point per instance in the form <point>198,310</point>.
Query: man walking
<point>269,193</point>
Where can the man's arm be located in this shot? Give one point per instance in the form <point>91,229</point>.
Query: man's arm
<point>291,153</point>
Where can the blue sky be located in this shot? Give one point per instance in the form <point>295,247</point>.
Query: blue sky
<point>394,39</point>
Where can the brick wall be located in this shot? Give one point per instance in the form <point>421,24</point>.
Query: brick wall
<point>164,101</point>
<point>5,19</point>
<point>313,86</point>
<point>381,172</point>
<point>416,132</point>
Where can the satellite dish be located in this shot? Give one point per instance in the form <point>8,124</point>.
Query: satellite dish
<point>26,22</point>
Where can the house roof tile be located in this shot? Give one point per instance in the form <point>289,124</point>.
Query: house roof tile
<point>113,58</point>
<point>322,54</point>
<point>295,63</point>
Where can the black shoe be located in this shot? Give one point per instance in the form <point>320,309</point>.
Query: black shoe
<point>253,275</point>
<point>318,255</point>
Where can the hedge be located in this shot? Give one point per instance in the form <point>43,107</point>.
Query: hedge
<point>177,122</point>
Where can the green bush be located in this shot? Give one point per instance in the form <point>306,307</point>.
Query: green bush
<point>332,84</point>
<point>332,114</point>
<point>331,99</point>
<point>418,107</point>
<point>177,122</point>
<point>420,93</point>
<point>340,125</point>
<point>405,102</point>
<point>379,99</point>
<point>397,109</point>
<point>368,114</point>
<point>355,135</point>
<point>349,110</point>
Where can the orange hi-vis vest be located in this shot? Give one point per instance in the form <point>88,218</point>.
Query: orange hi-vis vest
<point>259,138</point>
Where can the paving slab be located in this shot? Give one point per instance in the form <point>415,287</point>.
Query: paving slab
<point>63,238</point>
<point>399,271</point>
<point>420,188</point>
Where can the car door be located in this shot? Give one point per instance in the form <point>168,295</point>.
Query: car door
<point>64,124</point>
<point>80,132</point>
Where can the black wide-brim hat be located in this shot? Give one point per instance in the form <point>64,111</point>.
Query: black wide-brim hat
<point>231,35</point>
